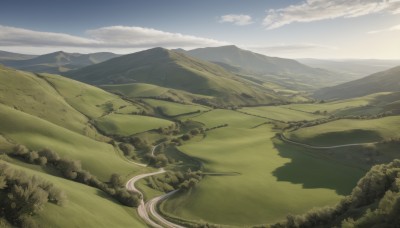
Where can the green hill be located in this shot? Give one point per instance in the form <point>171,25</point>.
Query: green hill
<point>352,68</point>
<point>385,81</point>
<point>58,62</point>
<point>268,68</point>
<point>175,70</point>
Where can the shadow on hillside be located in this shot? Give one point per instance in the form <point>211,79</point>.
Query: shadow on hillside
<point>342,137</point>
<point>314,171</point>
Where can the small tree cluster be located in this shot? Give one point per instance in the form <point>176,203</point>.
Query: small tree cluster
<point>381,186</point>
<point>175,180</point>
<point>72,169</point>
<point>22,196</point>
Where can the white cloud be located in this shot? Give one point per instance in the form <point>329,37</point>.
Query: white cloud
<point>124,36</point>
<point>390,29</point>
<point>105,37</point>
<point>314,10</point>
<point>237,19</point>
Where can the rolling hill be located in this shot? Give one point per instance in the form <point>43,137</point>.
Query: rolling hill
<point>385,81</point>
<point>353,68</point>
<point>57,62</point>
<point>171,69</point>
<point>271,68</point>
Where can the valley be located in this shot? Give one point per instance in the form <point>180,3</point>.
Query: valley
<point>161,139</point>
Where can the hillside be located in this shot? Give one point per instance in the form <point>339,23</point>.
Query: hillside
<point>58,62</point>
<point>352,68</point>
<point>271,68</point>
<point>385,81</point>
<point>175,70</point>
<point>5,55</point>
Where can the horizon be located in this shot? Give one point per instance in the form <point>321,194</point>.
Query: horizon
<point>172,49</point>
<point>317,29</point>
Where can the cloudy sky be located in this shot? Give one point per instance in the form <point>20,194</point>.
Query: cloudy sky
<point>285,28</point>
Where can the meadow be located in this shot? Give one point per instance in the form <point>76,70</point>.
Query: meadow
<point>347,131</point>
<point>261,193</point>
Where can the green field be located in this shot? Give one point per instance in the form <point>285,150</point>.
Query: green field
<point>281,113</point>
<point>348,131</point>
<point>28,93</point>
<point>174,109</point>
<point>274,179</point>
<point>89,100</point>
<point>371,104</point>
<point>129,124</point>
<point>38,134</point>
<point>219,117</point>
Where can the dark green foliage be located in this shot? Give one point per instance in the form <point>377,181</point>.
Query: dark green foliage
<point>380,186</point>
<point>175,180</point>
<point>22,196</point>
<point>127,148</point>
<point>116,180</point>
<point>72,169</point>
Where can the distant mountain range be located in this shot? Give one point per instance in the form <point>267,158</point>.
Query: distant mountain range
<point>384,81</point>
<point>286,72</point>
<point>172,69</point>
<point>5,55</point>
<point>353,68</point>
<point>57,62</point>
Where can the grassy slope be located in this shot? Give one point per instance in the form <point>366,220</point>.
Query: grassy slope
<point>134,90</point>
<point>91,101</point>
<point>173,109</point>
<point>175,70</point>
<point>280,113</point>
<point>255,196</point>
<point>129,124</point>
<point>86,207</point>
<point>384,81</point>
<point>37,134</point>
<point>348,131</point>
<point>31,94</point>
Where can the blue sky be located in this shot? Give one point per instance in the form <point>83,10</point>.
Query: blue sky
<point>285,28</point>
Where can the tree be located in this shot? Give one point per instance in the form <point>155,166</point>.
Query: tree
<point>116,180</point>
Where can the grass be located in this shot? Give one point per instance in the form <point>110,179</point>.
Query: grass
<point>31,94</point>
<point>89,100</point>
<point>218,117</point>
<point>347,131</point>
<point>86,207</point>
<point>38,134</point>
<point>174,109</point>
<point>129,124</point>
<point>261,194</point>
<point>280,113</point>
<point>355,106</point>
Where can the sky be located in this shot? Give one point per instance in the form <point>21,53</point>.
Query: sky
<point>327,29</point>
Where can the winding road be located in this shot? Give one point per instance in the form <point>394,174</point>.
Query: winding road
<point>283,138</point>
<point>149,208</point>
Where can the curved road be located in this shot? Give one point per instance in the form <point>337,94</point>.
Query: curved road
<point>150,207</point>
<point>283,137</point>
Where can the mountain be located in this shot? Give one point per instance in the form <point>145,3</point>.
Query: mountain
<point>353,68</point>
<point>5,55</point>
<point>58,62</point>
<point>384,81</point>
<point>175,70</point>
<point>273,69</point>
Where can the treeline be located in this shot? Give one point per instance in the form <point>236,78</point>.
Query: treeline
<point>22,196</point>
<point>295,125</point>
<point>374,202</point>
<point>175,180</point>
<point>72,169</point>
